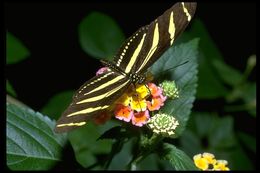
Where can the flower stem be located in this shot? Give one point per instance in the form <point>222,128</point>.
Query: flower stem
<point>147,148</point>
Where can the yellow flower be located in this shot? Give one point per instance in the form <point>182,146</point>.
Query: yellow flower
<point>125,100</point>
<point>137,102</point>
<point>210,158</point>
<point>142,91</point>
<point>207,161</point>
<point>221,165</point>
<point>200,162</point>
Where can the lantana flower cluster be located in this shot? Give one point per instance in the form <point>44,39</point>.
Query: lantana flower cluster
<point>207,161</point>
<point>163,124</point>
<point>139,102</point>
<point>136,104</point>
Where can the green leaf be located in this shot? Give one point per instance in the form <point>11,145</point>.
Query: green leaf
<point>149,163</point>
<point>249,92</point>
<point>122,158</point>
<point>188,139</point>
<point>209,132</point>
<point>118,135</point>
<point>239,159</point>
<point>219,140</point>
<point>207,71</point>
<point>209,120</point>
<point>15,50</point>
<point>30,140</point>
<point>246,92</point>
<point>10,89</point>
<point>218,131</point>
<point>178,159</point>
<point>208,80</point>
<point>57,104</point>
<point>185,77</point>
<point>85,144</point>
<point>233,78</point>
<point>222,133</point>
<point>164,165</point>
<point>249,97</point>
<point>100,36</point>
<point>248,140</point>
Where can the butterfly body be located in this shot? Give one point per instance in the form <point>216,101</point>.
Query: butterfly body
<point>129,66</point>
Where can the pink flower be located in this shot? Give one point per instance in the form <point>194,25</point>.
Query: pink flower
<point>155,91</point>
<point>156,103</point>
<point>140,118</point>
<point>136,103</point>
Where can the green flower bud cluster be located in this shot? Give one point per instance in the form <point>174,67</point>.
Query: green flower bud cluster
<point>170,89</point>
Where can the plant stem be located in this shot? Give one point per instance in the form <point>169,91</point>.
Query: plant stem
<point>148,148</point>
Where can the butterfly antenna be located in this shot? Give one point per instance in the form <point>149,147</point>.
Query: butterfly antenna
<point>185,62</point>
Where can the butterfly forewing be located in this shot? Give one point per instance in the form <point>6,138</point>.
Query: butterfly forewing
<point>127,51</point>
<point>155,38</point>
<point>135,56</point>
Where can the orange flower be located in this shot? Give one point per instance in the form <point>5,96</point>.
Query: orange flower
<point>124,113</point>
<point>155,91</point>
<point>156,103</point>
<point>133,104</point>
<point>140,118</point>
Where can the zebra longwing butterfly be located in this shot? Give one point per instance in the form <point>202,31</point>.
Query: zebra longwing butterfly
<point>134,57</point>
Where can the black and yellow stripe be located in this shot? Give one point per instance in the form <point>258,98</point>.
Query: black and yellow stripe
<point>134,57</point>
<point>91,99</point>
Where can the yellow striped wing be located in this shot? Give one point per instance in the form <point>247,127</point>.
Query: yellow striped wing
<point>94,97</point>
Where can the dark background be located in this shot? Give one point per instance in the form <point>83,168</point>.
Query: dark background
<point>57,62</point>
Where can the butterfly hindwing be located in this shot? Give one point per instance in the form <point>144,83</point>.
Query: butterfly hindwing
<point>94,97</point>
